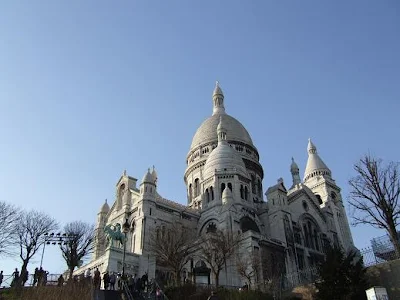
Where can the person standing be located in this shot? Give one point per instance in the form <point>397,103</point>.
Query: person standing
<point>1,278</point>
<point>96,279</point>
<point>106,280</point>
<point>35,277</point>
<point>15,275</point>
<point>60,281</point>
<point>113,278</point>
<point>213,296</point>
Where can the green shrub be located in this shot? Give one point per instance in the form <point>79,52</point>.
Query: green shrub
<point>68,292</point>
<point>191,292</point>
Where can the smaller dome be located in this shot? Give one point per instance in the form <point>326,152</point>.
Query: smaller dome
<point>223,157</point>
<point>148,178</point>
<point>294,167</point>
<point>105,208</point>
<point>227,193</point>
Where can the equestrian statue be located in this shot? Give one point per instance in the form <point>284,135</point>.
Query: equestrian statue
<point>114,233</point>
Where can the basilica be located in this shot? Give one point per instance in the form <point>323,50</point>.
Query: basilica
<point>289,224</point>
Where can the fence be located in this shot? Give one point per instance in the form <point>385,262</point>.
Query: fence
<point>301,277</point>
<point>380,251</point>
<point>51,279</point>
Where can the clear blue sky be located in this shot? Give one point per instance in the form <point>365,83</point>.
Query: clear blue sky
<point>90,88</point>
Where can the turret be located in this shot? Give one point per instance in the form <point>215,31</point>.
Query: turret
<point>148,186</point>
<point>294,170</point>
<point>99,234</point>
<point>277,195</point>
<point>315,166</point>
<point>218,100</point>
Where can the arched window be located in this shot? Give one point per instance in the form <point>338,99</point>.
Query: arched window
<point>316,239</point>
<point>211,228</point>
<point>253,184</point>
<point>306,236</point>
<point>319,198</point>
<point>246,193</point>
<point>241,191</point>
<point>333,196</point>
<point>248,224</point>
<point>120,195</point>
<point>190,192</point>
<point>207,196</point>
<point>212,193</point>
<point>259,188</point>
<point>230,186</point>
<point>196,187</point>
<point>222,188</point>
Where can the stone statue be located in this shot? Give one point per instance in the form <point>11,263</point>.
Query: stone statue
<point>114,233</point>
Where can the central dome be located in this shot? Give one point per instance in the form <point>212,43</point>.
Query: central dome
<point>207,132</point>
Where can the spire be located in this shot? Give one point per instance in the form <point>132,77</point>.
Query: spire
<point>311,147</point>
<point>147,178</point>
<point>154,174</point>
<point>105,208</point>
<point>221,131</point>
<point>218,100</point>
<point>315,165</point>
<point>294,169</point>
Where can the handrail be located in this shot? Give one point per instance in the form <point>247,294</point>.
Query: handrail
<point>162,292</point>
<point>125,287</point>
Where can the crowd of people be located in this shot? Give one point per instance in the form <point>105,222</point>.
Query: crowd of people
<point>21,278</point>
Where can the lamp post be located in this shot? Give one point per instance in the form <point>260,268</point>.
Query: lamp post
<point>125,229</point>
<point>54,239</point>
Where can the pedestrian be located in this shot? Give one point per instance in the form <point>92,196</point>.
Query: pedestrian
<point>113,278</point>
<point>131,283</point>
<point>35,276</point>
<point>96,279</point>
<point>159,295</point>
<point>15,279</point>
<point>1,278</point>
<point>60,281</point>
<point>213,296</point>
<point>40,277</point>
<point>106,280</point>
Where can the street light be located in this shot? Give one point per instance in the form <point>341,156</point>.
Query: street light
<point>125,229</point>
<point>54,239</point>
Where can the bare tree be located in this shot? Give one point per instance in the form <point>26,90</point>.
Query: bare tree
<point>172,246</point>
<point>216,248</point>
<point>374,196</point>
<point>8,216</point>
<point>273,269</point>
<point>30,229</point>
<point>248,265</point>
<point>78,245</point>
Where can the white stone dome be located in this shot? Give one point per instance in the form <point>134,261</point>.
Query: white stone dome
<point>105,208</point>
<point>148,177</point>
<point>294,168</point>
<point>224,157</point>
<point>207,132</point>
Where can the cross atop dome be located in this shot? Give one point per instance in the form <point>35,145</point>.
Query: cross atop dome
<point>218,100</point>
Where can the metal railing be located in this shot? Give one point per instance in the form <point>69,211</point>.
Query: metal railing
<point>127,290</point>
<point>381,251</point>
<point>49,279</point>
<point>300,277</point>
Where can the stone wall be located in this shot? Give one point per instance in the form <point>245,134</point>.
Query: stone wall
<point>387,275</point>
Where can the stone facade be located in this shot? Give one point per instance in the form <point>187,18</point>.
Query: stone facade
<point>224,190</point>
